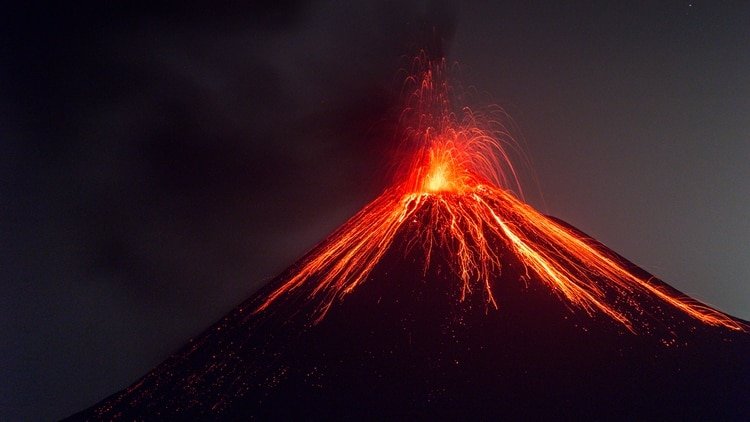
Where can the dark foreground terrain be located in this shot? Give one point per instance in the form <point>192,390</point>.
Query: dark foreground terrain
<point>403,345</point>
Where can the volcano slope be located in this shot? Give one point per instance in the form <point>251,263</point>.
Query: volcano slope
<point>409,342</point>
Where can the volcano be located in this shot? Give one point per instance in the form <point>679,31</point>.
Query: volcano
<point>449,297</point>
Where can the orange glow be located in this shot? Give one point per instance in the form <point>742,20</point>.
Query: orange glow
<point>453,194</point>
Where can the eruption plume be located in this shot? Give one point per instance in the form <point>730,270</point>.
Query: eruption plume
<point>453,190</point>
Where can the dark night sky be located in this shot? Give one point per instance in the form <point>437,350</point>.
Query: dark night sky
<point>159,165</point>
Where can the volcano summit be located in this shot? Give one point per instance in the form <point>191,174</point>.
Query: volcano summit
<point>449,297</point>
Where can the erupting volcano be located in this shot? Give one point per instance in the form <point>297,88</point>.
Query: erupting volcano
<point>451,196</point>
<point>449,296</point>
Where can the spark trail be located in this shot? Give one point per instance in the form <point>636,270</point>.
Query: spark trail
<point>459,175</point>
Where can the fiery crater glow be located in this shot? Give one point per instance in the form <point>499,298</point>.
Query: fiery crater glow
<point>458,173</point>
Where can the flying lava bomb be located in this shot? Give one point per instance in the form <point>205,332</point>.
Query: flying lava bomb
<point>448,296</point>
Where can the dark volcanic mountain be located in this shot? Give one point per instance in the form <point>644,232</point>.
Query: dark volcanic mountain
<point>404,345</point>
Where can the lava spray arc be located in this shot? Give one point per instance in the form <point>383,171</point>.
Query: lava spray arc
<point>457,170</point>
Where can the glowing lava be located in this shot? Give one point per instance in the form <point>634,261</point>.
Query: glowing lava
<point>452,194</point>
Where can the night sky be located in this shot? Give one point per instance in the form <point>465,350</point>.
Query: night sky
<point>159,165</point>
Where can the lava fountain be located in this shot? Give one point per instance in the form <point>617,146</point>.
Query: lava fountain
<point>458,173</point>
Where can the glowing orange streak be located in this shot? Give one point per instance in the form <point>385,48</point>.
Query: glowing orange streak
<point>345,260</point>
<point>552,272</point>
<point>606,267</point>
<point>475,256</point>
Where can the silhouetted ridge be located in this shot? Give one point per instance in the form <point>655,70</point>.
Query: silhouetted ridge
<point>405,345</point>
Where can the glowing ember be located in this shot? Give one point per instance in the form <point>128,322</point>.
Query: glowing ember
<point>458,174</point>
